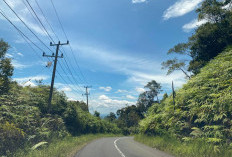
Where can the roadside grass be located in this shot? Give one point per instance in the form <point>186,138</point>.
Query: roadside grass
<point>194,148</point>
<point>66,147</point>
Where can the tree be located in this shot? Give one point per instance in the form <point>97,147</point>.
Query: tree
<point>96,114</point>
<point>111,117</point>
<point>146,99</point>
<point>173,65</point>
<point>165,96</point>
<point>129,116</point>
<point>6,69</point>
<point>209,39</point>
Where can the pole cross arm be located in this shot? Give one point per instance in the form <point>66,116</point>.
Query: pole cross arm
<point>67,43</point>
<point>53,55</point>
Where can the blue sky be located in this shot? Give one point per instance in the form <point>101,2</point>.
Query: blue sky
<point>119,45</point>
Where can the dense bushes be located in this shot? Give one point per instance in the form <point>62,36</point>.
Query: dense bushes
<point>203,106</point>
<point>24,120</point>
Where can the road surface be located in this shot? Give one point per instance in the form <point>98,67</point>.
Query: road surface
<point>119,147</point>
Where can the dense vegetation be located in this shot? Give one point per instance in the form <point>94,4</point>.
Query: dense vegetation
<point>24,120</point>
<point>196,119</point>
<point>193,121</point>
<point>203,106</point>
<point>207,42</point>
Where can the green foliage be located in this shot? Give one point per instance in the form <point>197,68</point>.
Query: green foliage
<point>38,145</point>
<point>96,114</point>
<point>6,69</point>
<point>11,138</point>
<point>173,65</point>
<point>186,148</point>
<point>66,147</point>
<point>111,117</point>
<point>209,39</point>
<point>146,99</point>
<point>25,108</point>
<point>203,106</point>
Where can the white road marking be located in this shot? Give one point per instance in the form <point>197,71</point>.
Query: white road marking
<point>115,144</point>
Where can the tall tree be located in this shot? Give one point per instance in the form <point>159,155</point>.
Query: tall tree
<point>6,69</point>
<point>111,117</point>
<point>208,40</point>
<point>96,114</point>
<point>146,99</point>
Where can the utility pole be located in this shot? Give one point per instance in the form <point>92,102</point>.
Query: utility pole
<point>87,95</point>
<point>173,94</point>
<point>54,70</point>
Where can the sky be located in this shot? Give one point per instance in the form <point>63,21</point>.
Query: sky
<point>116,46</point>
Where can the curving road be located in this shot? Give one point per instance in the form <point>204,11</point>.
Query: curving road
<point>119,147</point>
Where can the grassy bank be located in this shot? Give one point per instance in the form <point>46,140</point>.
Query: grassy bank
<point>194,148</point>
<point>66,147</point>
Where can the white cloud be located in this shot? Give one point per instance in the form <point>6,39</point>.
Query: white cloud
<point>138,1</point>
<point>107,102</point>
<point>140,90</point>
<point>193,24</point>
<point>130,97</point>
<point>107,89</point>
<point>9,55</point>
<point>181,8</point>
<point>121,91</point>
<point>138,69</point>
<point>20,54</point>
<point>24,14</point>
<point>18,65</point>
<point>166,81</point>
<point>66,89</point>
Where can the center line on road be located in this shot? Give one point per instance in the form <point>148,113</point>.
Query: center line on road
<point>115,144</point>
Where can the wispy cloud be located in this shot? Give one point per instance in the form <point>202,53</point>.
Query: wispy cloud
<point>180,8</point>
<point>107,89</point>
<point>138,69</point>
<point>17,65</point>
<point>66,89</point>
<point>105,104</point>
<point>139,90</point>
<point>130,97</point>
<point>193,24</point>
<point>20,54</point>
<point>138,1</point>
<point>121,91</point>
<point>24,14</point>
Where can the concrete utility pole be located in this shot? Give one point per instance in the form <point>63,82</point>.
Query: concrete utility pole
<point>87,95</point>
<point>173,94</point>
<point>54,69</point>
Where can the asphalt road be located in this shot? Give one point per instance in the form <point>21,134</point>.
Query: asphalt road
<point>119,147</point>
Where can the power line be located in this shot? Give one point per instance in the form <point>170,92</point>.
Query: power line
<point>34,17</point>
<point>51,37</point>
<point>85,80</point>
<point>27,26</point>
<point>24,36</point>
<point>49,34</point>
<point>40,21</point>
<point>59,19</point>
<point>46,20</point>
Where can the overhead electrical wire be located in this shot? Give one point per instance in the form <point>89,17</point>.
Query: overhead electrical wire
<point>21,33</point>
<point>40,21</point>
<point>27,26</point>
<point>51,38</point>
<point>85,80</point>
